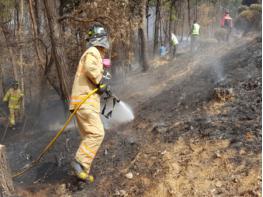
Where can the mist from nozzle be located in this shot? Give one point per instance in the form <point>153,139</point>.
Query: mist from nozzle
<point>122,113</point>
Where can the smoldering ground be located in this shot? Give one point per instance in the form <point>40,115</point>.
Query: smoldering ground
<point>153,100</point>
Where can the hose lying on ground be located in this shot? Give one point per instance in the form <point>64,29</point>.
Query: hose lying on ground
<point>51,143</point>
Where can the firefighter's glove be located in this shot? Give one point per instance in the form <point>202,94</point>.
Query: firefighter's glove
<point>103,88</point>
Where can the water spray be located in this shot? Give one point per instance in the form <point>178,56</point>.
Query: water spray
<point>120,112</point>
<point>52,142</point>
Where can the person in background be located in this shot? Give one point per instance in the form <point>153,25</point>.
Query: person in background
<point>163,51</point>
<point>227,23</point>
<point>195,34</point>
<point>175,42</point>
<point>13,97</point>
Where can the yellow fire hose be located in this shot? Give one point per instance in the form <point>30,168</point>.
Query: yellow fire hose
<point>51,143</point>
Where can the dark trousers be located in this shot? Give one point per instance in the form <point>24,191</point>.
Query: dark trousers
<point>228,32</point>
<point>173,52</point>
<point>194,43</point>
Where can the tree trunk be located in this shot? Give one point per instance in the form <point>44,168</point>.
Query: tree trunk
<point>143,57</point>
<point>160,33</point>
<point>6,182</point>
<point>157,27</point>
<point>6,34</point>
<point>178,14</point>
<point>189,14</point>
<point>35,32</point>
<point>143,54</point>
<point>1,83</point>
<point>37,15</point>
<point>196,10</point>
<point>170,22</point>
<point>58,51</point>
<point>21,66</point>
<point>147,18</point>
<point>42,54</point>
<point>183,14</point>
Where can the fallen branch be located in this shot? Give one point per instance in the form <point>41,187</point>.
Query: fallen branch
<point>131,163</point>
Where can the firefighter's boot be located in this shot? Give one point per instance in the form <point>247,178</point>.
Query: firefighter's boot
<point>81,174</point>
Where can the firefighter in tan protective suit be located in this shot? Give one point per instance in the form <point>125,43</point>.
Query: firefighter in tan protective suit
<point>88,77</point>
<point>13,97</point>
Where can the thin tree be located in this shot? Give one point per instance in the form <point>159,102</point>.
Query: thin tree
<point>171,12</point>
<point>182,5</point>
<point>157,26</point>
<point>196,9</point>
<point>147,17</point>
<point>21,61</point>
<point>189,14</point>
<point>142,39</point>
<point>57,50</point>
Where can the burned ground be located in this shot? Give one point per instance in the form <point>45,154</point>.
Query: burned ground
<point>197,132</point>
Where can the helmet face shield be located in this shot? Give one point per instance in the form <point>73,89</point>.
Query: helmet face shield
<point>98,36</point>
<point>100,42</point>
<point>100,31</point>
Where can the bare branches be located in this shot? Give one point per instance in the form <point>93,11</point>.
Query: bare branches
<point>86,20</point>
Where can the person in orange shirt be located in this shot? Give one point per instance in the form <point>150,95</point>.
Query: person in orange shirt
<point>227,23</point>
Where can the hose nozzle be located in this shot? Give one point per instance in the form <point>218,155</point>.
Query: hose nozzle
<point>116,98</point>
<point>110,94</point>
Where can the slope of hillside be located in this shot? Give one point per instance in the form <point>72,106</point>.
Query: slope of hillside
<point>197,132</point>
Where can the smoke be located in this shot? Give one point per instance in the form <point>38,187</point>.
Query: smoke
<point>53,117</point>
<point>219,71</point>
<point>56,126</point>
<point>122,113</point>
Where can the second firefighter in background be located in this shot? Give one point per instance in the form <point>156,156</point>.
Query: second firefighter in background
<point>13,97</point>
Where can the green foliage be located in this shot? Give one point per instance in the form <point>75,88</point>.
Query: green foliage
<point>252,13</point>
<point>152,2</point>
<point>256,7</point>
<point>6,7</point>
<point>250,19</point>
<point>242,8</point>
<point>248,15</point>
<point>174,13</point>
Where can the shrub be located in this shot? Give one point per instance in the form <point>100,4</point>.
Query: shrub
<point>250,19</point>
<point>248,15</point>
<point>242,8</point>
<point>256,7</point>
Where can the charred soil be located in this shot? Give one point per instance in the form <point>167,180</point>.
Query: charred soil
<point>197,132</point>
